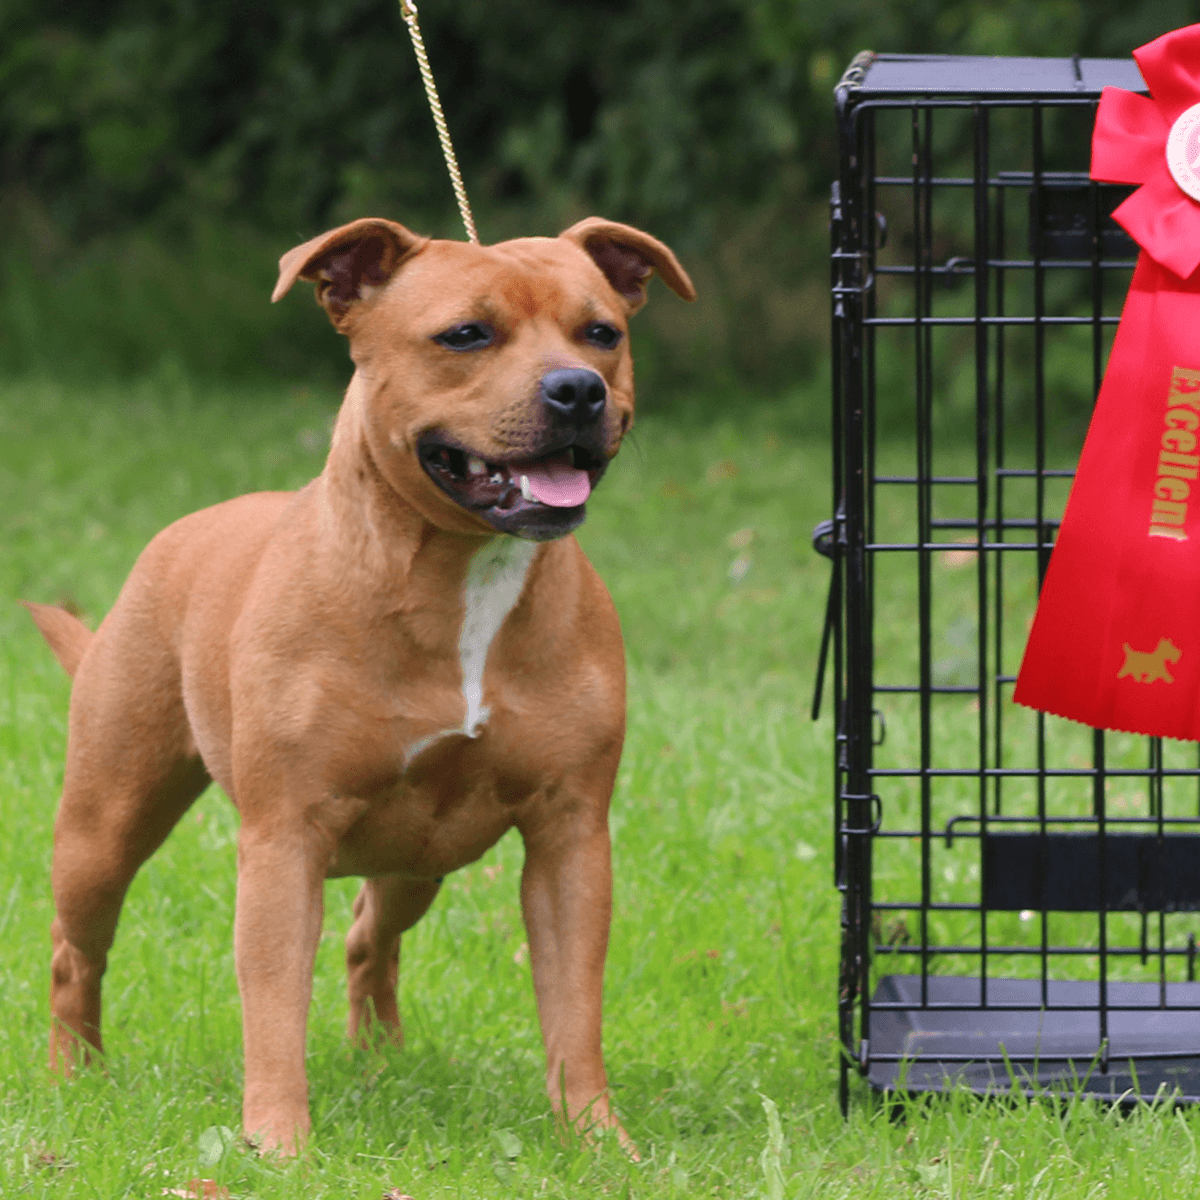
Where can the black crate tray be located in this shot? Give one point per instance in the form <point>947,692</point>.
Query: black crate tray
<point>1049,1051</point>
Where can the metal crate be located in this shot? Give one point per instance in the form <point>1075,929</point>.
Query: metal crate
<point>1019,893</point>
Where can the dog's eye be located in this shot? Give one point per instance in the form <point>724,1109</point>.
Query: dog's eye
<point>602,334</point>
<point>473,335</point>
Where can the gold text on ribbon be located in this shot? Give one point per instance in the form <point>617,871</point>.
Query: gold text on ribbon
<point>1177,468</point>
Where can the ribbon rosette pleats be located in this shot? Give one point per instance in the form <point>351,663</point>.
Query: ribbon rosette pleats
<point>1115,642</point>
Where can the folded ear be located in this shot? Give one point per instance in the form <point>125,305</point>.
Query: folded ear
<point>628,257</point>
<point>347,264</point>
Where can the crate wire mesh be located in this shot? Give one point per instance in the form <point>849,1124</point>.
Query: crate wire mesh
<point>1018,891</point>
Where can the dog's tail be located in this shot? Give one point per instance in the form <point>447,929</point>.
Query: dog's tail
<point>65,633</point>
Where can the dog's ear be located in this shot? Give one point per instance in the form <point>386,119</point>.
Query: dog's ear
<point>628,257</point>
<point>347,263</point>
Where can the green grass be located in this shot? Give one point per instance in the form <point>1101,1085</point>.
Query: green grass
<point>721,984</point>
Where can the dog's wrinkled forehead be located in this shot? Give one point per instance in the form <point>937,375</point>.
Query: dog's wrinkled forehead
<point>512,282</point>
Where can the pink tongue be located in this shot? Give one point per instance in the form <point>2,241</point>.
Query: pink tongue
<point>554,481</point>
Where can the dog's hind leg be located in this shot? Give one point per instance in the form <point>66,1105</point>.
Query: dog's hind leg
<point>102,836</point>
<point>131,773</point>
<point>383,909</point>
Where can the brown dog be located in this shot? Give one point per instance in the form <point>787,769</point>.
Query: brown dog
<point>389,668</point>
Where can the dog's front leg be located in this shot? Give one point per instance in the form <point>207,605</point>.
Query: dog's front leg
<point>276,931</point>
<point>566,896</point>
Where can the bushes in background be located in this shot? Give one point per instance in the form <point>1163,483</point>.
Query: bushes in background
<point>158,155</point>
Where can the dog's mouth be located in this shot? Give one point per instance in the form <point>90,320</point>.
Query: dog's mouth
<point>540,498</point>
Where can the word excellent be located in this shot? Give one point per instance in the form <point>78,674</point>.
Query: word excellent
<point>1175,465</point>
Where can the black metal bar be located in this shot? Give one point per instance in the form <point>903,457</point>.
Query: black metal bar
<point>855,715</point>
<point>1026,772</point>
<point>1039,402</point>
<point>1001,474</point>
<point>837,332</point>
<point>1033,322</point>
<point>943,102</point>
<point>980,130</point>
<point>1000,1006</point>
<point>952,830</point>
<point>1127,952</point>
<point>989,546</point>
<point>1066,265</point>
<point>1156,783</point>
<point>922,305</point>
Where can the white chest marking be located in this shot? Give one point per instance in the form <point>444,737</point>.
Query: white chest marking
<point>495,580</point>
<point>494,584</point>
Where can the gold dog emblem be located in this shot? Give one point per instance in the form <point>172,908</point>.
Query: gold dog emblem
<point>1145,666</point>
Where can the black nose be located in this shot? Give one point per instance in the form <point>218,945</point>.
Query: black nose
<point>574,394</point>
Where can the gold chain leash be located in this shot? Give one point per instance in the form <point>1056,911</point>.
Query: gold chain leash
<point>408,10</point>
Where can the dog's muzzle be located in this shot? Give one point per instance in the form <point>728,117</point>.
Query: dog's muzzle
<point>540,494</point>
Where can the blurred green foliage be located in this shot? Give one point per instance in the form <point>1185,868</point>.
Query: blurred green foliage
<point>158,155</point>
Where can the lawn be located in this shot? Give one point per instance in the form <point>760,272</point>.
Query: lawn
<point>721,984</point>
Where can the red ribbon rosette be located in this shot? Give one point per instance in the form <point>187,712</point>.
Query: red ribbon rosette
<point>1115,642</point>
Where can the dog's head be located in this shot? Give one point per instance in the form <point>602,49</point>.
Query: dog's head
<point>498,379</point>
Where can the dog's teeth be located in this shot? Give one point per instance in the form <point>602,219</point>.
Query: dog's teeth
<point>526,491</point>
<point>497,477</point>
<point>476,465</point>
